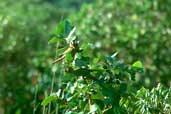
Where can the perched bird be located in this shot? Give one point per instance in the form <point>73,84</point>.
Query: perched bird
<point>73,48</point>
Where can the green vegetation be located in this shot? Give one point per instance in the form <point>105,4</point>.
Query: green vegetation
<point>114,58</point>
<point>138,30</point>
<point>25,28</point>
<point>102,85</point>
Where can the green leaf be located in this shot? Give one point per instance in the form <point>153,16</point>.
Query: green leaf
<point>68,27</point>
<point>83,61</point>
<point>137,64</point>
<point>68,57</point>
<point>68,77</point>
<point>98,96</point>
<point>48,99</point>
<point>54,40</point>
<point>64,28</point>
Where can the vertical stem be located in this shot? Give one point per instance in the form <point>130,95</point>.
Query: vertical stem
<point>52,86</point>
<point>35,97</point>
<point>44,107</point>
<point>53,80</point>
<point>56,112</point>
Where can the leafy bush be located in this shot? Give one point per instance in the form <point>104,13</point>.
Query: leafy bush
<point>156,101</point>
<point>25,26</point>
<point>136,29</point>
<point>24,31</point>
<point>101,84</point>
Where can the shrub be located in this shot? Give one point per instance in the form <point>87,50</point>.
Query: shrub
<point>24,31</point>
<point>102,85</point>
<point>136,29</point>
<point>90,84</point>
<point>156,101</point>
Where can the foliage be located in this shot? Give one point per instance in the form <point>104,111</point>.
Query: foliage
<point>156,101</point>
<point>72,4</point>
<point>136,29</point>
<point>25,26</point>
<point>102,84</point>
<point>88,80</point>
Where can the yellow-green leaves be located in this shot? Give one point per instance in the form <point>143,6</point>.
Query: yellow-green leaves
<point>137,64</point>
<point>104,80</point>
<point>64,29</point>
<point>50,98</point>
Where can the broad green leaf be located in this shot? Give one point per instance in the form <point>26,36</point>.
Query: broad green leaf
<point>98,96</point>
<point>68,57</point>
<point>141,92</point>
<point>68,28</point>
<point>50,98</point>
<point>137,64</point>
<point>64,28</point>
<point>68,77</point>
<point>54,40</point>
<point>83,61</point>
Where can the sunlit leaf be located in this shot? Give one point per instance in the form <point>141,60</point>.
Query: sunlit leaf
<point>137,64</point>
<point>93,108</point>
<point>49,99</point>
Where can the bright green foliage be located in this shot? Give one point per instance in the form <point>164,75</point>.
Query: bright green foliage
<point>25,26</point>
<point>87,80</point>
<point>103,85</point>
<point>92,85</point>
<point>137,64</point>
<point>25,57</point>
<point>137,29</point>
<point>156,101</point>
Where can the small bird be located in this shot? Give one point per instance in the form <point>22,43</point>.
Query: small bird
<point>73,48</point>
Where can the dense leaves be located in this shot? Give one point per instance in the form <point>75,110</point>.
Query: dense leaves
<point>156,101</point>
<point>25,57</point>
<point>89,73</point>
<point>138,30</point>
<point>104,86</point>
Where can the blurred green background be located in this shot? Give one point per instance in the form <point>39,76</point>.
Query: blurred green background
<point>137,30</point>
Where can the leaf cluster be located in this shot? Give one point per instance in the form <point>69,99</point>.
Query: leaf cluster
<point>137,29</point>
<point>91,85</point>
